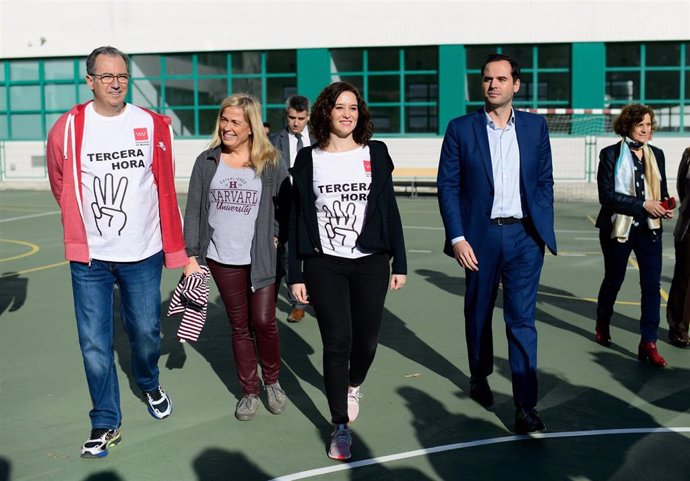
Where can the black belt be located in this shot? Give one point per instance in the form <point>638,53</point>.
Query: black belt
<point>505,220</point>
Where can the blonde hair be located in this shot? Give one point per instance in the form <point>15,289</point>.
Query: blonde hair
<point>261,151</point>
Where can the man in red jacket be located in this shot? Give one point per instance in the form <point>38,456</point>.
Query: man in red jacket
<point>111,171</point>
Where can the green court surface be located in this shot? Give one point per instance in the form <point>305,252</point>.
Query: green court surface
<point>609,417</point>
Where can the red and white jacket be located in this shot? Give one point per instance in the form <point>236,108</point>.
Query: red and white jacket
<point>63,155</point>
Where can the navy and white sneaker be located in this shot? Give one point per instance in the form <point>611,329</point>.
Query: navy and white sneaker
<point>158,403</point>
<point>99,442</point>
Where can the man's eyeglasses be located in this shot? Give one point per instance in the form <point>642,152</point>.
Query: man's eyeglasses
<point>108,78</point>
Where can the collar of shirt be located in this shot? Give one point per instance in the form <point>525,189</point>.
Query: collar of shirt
<point>305,136</point>
<point>491,124</point>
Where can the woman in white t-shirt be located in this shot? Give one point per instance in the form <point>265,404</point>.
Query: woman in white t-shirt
<point>231,225</point>
<point>344,230</point>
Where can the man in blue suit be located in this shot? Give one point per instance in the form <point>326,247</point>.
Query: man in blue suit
<point>495,193</point>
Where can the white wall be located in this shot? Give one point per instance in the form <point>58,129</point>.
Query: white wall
<point>47,28</point>
<point>15,160</point>
<point>570,159</point>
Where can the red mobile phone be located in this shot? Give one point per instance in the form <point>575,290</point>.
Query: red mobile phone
<point>669,203</point>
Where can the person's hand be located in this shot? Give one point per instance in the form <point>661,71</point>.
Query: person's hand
<point>656,210</point>
<point>299,291</point>
<point>465,255</point>
<point>398,281</point>
<point>192,267</point>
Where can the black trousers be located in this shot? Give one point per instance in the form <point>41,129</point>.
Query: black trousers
<point>647,249</point>
<point>348,297</point>
<point>678,308</point>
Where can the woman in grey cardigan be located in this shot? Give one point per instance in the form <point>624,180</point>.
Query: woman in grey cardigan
<point>678,309</point>
<point>231,225</point>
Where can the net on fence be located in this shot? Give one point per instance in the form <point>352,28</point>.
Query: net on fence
<point>578,122</point>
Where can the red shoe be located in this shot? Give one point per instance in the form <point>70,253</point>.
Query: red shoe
<point>602,335</point>
<point>296,315</point>
<point>648,352</point>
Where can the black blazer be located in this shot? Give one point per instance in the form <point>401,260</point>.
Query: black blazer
<point>281,141</point>
<point>382,228</point>
<point>613,202</point>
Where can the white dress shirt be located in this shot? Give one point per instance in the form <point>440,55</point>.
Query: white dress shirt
<point>505,166</point>
<point>293,143</point>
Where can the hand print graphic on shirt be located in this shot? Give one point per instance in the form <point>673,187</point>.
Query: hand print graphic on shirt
<point>107,210</point>
<point>340,226</point>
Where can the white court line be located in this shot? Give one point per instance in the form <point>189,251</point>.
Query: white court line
<point>30,216</point>
<point>470,444</point>
<point>419,251</point>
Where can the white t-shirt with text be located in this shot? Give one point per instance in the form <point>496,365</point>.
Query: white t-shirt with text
<point>120,198</point>
<point>342,182</point>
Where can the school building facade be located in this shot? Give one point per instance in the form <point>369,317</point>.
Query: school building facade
<point>417,65</point>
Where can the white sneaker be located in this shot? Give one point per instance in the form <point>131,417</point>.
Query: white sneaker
<point>158,403</point>
<point>353,397</point>
<point>100,440</point>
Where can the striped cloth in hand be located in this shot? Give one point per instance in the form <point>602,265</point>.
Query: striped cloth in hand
<point>191,299</point>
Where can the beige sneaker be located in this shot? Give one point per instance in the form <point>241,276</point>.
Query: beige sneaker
<point>246,408</point>
<point>277,400</point>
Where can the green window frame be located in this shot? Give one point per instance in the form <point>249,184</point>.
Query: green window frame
<point>646,71</point>
<point>35,92</point>
<point>541,66</point>
<point>411,106</point>
<point>199,109</point>
<point>29,105</point>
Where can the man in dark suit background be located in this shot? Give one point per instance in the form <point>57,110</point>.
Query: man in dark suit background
<point>495,193</point>
<point>289,141</point>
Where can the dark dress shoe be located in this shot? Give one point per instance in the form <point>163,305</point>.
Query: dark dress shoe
<point>481,392</point>
<point>527,421</point>
<point>602,335</point>
<point>678,341</point>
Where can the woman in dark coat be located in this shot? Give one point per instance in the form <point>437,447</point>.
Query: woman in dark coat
<point>632,184</point>
<point>344,230</point>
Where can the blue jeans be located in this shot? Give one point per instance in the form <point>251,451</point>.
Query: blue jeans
<point>140,307</point>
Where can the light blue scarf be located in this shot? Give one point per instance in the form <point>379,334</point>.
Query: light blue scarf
<point>624,175</point>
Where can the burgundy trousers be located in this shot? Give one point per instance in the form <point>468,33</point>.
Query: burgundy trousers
<point>252,318</point>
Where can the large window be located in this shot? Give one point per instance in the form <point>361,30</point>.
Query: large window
<point>545,74</point>
<point>656,74</point>
<point>187,87</point>
<point>34,93</point>
<point>400,85</point>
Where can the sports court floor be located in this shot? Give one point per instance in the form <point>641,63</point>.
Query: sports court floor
<point>608,416</point>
